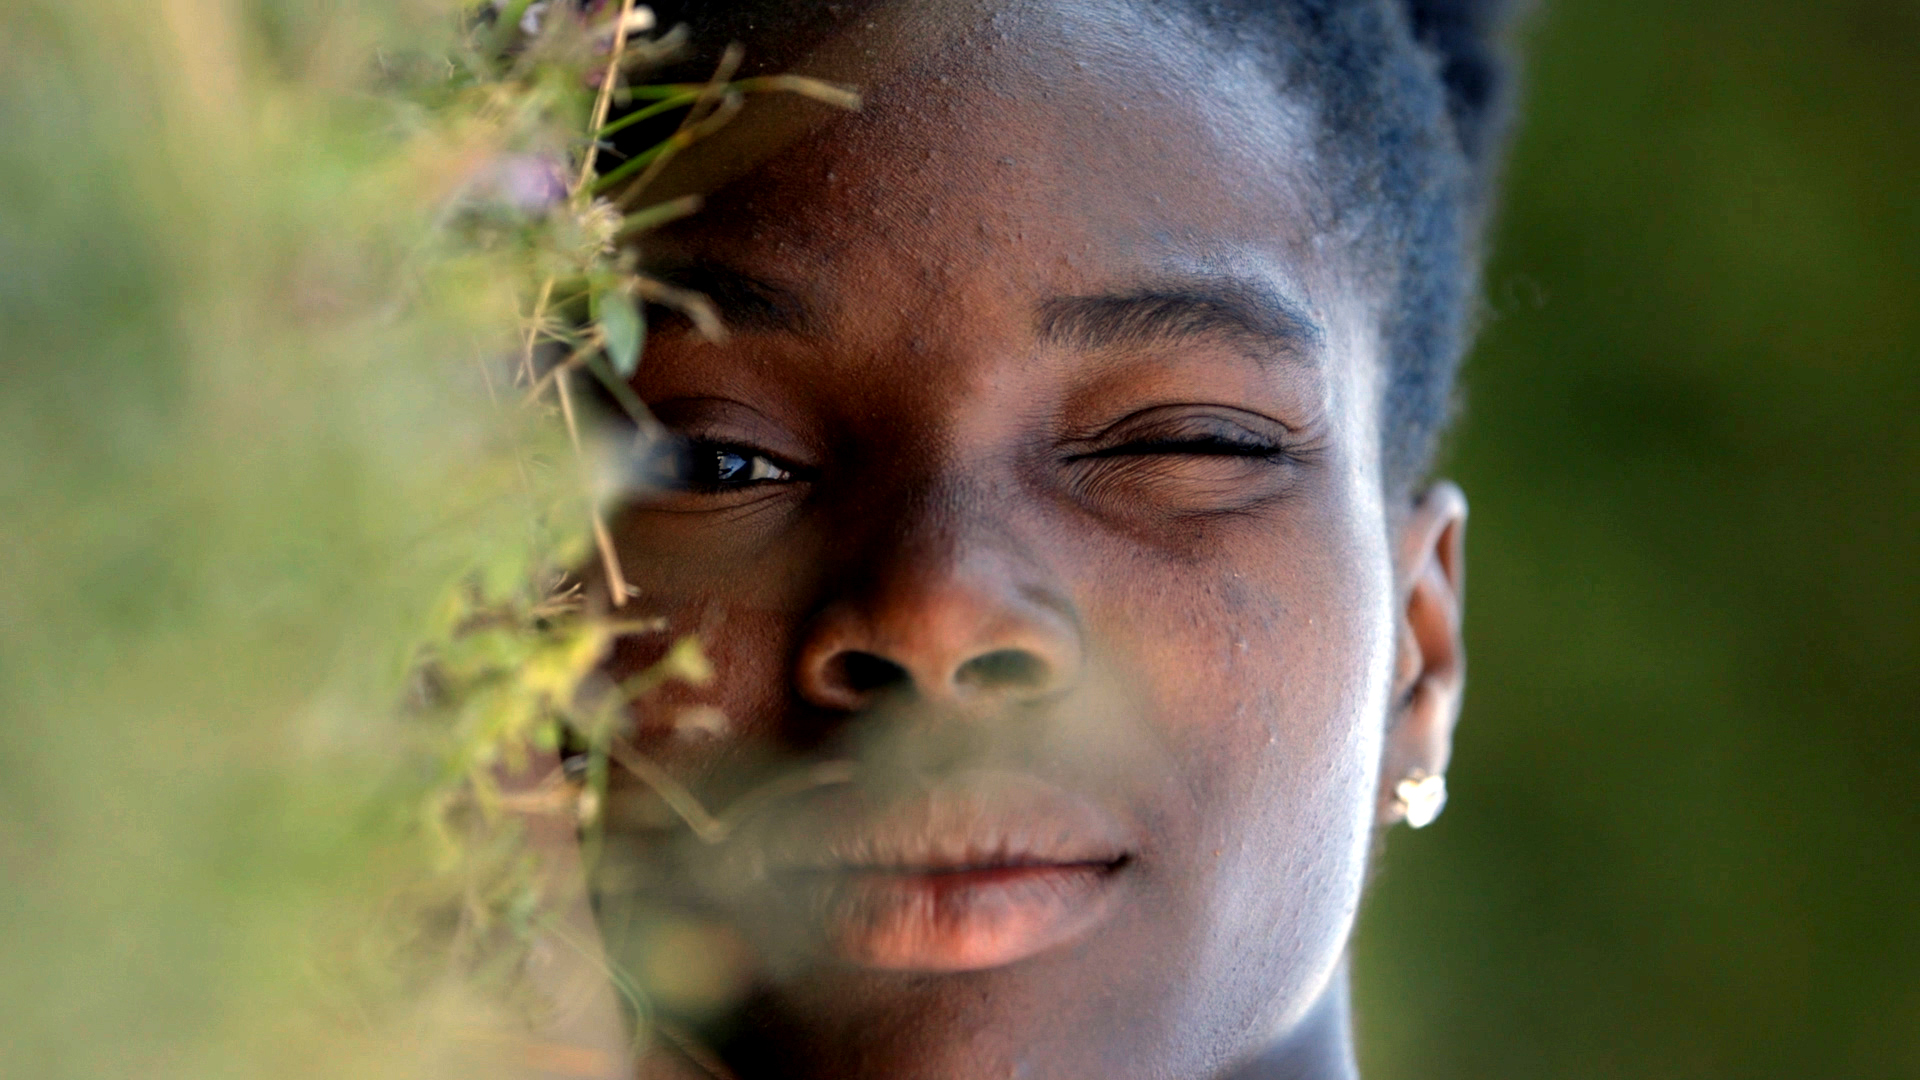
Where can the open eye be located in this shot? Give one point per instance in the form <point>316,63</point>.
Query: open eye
<point>713,467</point>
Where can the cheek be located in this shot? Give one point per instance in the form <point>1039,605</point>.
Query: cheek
<point>1272,666</point>
<point>739,596</point>
<point>1271,681</point>
<point>693,728</point>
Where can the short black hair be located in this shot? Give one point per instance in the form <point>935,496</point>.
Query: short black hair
<point>1413,102</point>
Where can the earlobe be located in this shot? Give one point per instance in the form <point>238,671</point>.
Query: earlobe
<point>1430,669</point>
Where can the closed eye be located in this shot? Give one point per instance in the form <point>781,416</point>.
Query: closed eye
<point>1205,446</point>
<point>1186,459</point>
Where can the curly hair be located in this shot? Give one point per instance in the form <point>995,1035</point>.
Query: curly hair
<point>1413,102</point>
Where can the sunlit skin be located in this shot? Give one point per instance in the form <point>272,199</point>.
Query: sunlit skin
<point>1039,479</point>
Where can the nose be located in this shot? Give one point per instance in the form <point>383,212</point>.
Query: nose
<point>946,622</point>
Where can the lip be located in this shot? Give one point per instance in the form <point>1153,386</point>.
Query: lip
<point>976,871</point>
<point>963,919</point>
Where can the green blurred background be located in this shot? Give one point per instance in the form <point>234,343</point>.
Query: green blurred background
<point>1685,835</point>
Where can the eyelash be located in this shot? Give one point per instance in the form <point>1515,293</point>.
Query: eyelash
<point>1204,446</point>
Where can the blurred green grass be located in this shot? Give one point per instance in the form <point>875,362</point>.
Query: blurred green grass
<point>237,483</point>
<point>1685,834</point>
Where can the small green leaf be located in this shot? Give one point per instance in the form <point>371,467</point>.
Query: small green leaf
<point>620,321</point>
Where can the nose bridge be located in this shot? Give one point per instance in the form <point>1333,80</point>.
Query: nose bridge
<point>949,596</point>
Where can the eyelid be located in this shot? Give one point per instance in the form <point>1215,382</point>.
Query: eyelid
<point>743,448</point>
<point>735,425</point>
<point>1169,428</point>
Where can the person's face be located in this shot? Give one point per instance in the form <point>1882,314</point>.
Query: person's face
<point>1034,503</point>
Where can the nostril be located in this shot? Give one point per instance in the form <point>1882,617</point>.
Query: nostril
<point>1003,668</point>
<point>865,673</point>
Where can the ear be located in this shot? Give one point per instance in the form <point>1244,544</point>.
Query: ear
<point>1430,669</point>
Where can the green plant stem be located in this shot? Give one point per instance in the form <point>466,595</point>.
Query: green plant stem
<point>678,101</point>
<point>622,393</point>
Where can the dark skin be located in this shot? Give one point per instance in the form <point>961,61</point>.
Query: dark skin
<point>1038,490</point>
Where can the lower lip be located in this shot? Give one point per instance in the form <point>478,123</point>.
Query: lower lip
<point>963,920</point>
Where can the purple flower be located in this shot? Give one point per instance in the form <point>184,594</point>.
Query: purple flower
<point>526,182</point>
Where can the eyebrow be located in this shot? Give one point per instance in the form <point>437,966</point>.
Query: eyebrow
<point>745,302</point>
<point>1247,313</point>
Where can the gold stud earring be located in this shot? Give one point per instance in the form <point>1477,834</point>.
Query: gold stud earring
<point>1421,797</point>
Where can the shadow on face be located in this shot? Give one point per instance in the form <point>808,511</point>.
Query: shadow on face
<point>1032,514</point>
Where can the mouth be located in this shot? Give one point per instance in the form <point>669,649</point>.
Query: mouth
<point>962,918</point>
<point>975,873</point>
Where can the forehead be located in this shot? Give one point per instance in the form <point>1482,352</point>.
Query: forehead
<point>1068,147</point>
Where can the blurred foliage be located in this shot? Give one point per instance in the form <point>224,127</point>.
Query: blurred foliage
<point>1684,829</point>
<point>249,470</point>
<point>290,296</point>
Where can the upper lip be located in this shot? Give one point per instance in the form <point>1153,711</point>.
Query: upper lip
<point>974,820</point>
